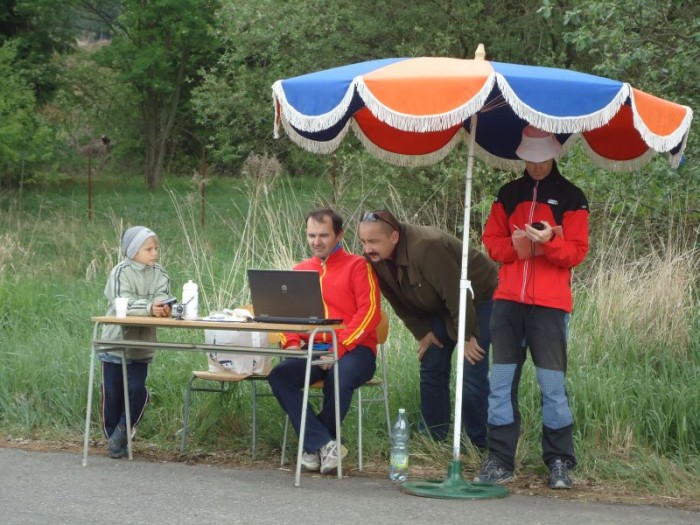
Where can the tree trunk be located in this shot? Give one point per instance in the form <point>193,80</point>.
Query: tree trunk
<point>159,112</point>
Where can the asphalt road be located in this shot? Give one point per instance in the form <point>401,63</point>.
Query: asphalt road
<point>54,488</point>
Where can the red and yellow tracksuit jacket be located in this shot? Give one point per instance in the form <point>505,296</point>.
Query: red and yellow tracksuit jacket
<point>350,292</point>
<point>544,280</point>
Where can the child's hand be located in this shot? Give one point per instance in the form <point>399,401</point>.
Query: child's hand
<point>160,310</point>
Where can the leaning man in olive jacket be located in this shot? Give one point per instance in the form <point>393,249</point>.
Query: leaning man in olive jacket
<point>418,268</point>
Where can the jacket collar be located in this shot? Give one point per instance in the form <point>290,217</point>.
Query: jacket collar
<point>552,177</point>
<point>137,265</point>
<point>336,254</point>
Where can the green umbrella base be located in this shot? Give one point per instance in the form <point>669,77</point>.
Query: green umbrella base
<point>454,487</point>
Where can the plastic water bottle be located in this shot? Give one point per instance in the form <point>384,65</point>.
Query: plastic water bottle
<point>398,462</point>
<point>190,298</point>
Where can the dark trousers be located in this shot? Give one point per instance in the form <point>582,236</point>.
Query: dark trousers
<point>435,370</point>
<point>515,327</point>
<point>113,410</point>
<point>355,368</point>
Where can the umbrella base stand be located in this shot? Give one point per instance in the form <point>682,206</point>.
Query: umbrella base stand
<point>454,487</point>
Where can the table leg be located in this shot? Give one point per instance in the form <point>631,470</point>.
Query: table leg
<point>88,412</point>
<point>127,407</point>
<point>305,403</point>
<point>336,394</point>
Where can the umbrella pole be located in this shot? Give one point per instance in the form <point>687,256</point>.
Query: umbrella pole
<point>455,487</point>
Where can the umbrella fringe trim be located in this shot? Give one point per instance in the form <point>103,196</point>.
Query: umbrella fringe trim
<point>398,159</point>
<point>313,123</point>
<point>608,164</point>
<point>562,124</point>
<point>427,159</point>
<point>663,143</point>
<point>314,146</point>
<point>499,163</point>
<point>515,166</point>
<point>278,118</point>
<point>675,158</point>
<point>291,118</point>
<point>425,123</point>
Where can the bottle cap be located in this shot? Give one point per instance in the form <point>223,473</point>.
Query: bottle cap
<point>402,410</point>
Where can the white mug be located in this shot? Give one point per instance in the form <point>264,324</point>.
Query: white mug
<point>120,305</point>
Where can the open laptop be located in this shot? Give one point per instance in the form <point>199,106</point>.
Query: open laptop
<point>287,296</point>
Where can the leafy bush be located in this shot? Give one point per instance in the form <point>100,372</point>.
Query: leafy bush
<point>25,141</point>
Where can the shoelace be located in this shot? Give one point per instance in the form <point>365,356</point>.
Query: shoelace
<point>332,449</point>
<point>492,464</point>
<point>558,469</point>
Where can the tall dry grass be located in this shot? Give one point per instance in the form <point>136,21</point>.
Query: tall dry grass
<point>634,362</point>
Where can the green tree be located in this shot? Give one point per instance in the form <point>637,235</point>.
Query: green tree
<point>655,46</point>
<point>39,29</point>
<point>265,40</point>
<point>650,43</point>
<point>25,141</point>
<point>158,48</point>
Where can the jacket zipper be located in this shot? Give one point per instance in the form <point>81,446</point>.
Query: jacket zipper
<point>526,267</point>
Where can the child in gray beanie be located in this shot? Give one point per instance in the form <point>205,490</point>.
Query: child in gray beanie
<point>146,284</point>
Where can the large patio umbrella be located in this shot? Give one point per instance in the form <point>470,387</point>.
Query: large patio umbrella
<point>413,111</point>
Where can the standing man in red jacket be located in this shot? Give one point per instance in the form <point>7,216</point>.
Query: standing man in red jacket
<point>350,292</point>
<point>538,231</point>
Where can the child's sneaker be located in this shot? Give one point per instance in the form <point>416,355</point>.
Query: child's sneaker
<point>329,456</point>
<point>117,444</point>
<point>310,461</point>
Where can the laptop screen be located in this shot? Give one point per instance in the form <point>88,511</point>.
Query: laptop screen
<point>286,293</point>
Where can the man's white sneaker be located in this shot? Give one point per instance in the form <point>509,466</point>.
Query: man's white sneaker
<point>310,461</point>
<point>329,456</point>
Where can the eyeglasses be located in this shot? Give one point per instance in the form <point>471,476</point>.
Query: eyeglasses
<point>372,216</point>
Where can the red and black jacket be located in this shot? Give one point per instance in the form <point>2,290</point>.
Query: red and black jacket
<point>544,280</point>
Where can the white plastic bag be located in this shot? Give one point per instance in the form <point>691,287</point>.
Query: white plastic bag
<point>246,364</point>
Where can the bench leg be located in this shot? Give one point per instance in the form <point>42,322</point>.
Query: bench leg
<point>284,441</point>
<point>186,415</point>
<point>255,421</point>
<point>359,429</point>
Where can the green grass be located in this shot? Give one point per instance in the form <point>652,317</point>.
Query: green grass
<point>634,350</point>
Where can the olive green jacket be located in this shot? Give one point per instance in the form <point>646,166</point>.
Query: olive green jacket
<point>428,265</point>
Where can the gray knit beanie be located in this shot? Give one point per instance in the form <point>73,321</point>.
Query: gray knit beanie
<point>133,238</point>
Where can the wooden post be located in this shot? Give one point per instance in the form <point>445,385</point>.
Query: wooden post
<point>203,184</point>
<point>89,188</point>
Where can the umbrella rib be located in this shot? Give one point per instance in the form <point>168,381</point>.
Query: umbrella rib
<point>494,104</point>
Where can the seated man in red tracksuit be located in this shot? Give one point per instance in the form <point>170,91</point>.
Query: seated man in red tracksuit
<point>350,292</point>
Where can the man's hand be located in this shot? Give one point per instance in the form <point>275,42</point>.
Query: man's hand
<point>423,344</point>
<point>472,351</point>
<point>539,236</point>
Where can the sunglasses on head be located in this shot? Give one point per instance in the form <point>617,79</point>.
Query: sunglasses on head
<point>372,216</point>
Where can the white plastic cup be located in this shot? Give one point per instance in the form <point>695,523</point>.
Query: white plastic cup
<point>120,305</point>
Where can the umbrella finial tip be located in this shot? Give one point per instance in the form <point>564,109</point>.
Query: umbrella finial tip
<point>480,52</point>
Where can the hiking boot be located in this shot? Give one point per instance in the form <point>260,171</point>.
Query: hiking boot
<point>559,475</point>
<point>493,471</point>
<point>117,444</point>
<point>310,461</point>
<point>329,456</point>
